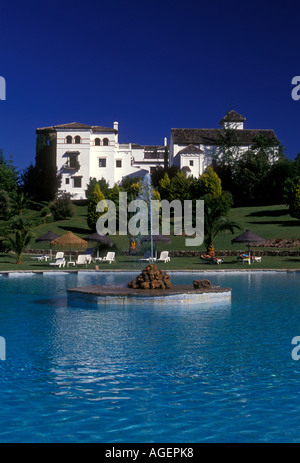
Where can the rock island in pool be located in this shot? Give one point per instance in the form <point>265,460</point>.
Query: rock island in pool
<point>151,286</point>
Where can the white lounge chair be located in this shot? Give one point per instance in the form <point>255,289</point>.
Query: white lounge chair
<point>110,257</point>
<point>164,257</point>
<point>58,263</point>
<point>41,258</point>
<point>89,255</point>
<point>147,257</point>
<point>243,258</point>
<point>82,260</point>
<point>207,259</point>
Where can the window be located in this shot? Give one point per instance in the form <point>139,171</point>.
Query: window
<point>77,139</point>
<point>105,141</point>
<point>77,182</point>
<point>73,162</point>
<point>191,163</point>
<point>97,141</point>
<point>67,181</point>
<point>102,162</point>
<point>118,163</point>
<point>69,139</point>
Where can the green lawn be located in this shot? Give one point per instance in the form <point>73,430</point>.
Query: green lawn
<point>7,262</point>
<point>267,221</point>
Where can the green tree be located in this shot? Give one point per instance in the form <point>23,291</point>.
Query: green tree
<point>165,186</point>
<point>294,201</point>
<point>20,223</point>
<point>128,181</point>
<point>166,158</point>
<point>8,175</point>
<point>5,204</point>
<point>227,147</point>
<point>93,215</point>
<point>269,147</point>
<point>280,178</point>
<point>216,210</point>
<point>180,187</point>
<point>159,173</point>
<point>209,183</point>
<point>19,243</point>
<point>44,174</point>
<point>103,184</point>
<point>62,207</point>
<point>133,190</point>
<point>250,176</point>
<point>114,194</point>
<point>20,202</point>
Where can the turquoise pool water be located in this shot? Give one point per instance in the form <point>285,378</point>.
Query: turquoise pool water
<point>219,373</point>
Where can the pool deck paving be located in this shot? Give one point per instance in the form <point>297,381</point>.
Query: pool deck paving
<point>206,270</point>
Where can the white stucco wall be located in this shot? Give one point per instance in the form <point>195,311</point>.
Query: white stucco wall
<point>83,158</point>
<point>102,152</point>
<point>198,162</point>
<point>132,160</point>
<point>233,125</point>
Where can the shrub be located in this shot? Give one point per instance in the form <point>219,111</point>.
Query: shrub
<point>62,207</point>
<point>103,185</point>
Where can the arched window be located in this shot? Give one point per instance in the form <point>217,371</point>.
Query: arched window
<point>77,139</point>
<point>97,141</point>
<point>105,141</point>
<point>69,139</point>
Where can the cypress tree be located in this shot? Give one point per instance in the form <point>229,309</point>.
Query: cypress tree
<point>93,215</point>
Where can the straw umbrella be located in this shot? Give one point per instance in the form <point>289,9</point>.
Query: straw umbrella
<point>48,237</point>
<point>248,237</point>
<point>70,242</point>
<point>100,240</point>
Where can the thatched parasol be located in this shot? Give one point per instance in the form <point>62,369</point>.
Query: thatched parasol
<point>100,240</point>
<point>48,237</point>
<point>250,238</point>
<point>158,238</point>
<point>70,242</point>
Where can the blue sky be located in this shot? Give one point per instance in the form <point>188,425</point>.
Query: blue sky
<point>150,65</point>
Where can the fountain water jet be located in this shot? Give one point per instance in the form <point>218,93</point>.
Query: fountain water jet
<point>146,195</point>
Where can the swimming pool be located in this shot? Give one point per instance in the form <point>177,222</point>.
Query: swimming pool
<point>219,373</point>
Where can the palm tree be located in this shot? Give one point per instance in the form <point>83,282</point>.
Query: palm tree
<point>216,220</point>
<point>19,242</point>
<point>20,202</point>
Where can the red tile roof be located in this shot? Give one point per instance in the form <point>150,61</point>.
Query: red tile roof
<point>78,126</point>
<point>214,136</point>
<point>233,116</point>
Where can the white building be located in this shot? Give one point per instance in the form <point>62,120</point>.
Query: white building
<point>192,150</point>
<point>83,152</point>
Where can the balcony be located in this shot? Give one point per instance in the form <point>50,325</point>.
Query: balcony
<point>71,166</point>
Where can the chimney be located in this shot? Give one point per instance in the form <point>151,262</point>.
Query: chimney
<point>116,127</point>
<point>165,141</point>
